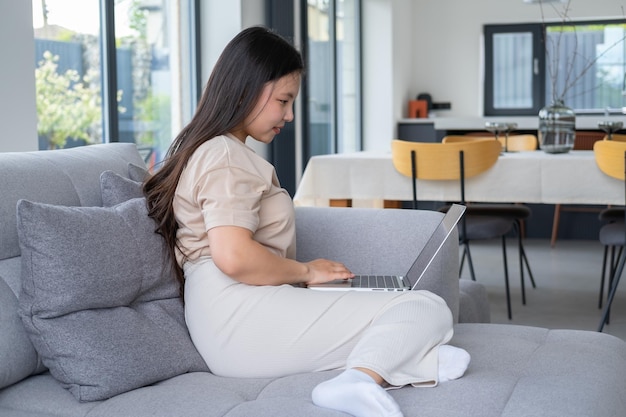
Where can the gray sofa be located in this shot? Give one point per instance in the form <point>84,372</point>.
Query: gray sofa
<point>91,323</point>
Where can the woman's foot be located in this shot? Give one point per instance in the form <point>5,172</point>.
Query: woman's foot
<point>453,362</point>
<point>356,393</point>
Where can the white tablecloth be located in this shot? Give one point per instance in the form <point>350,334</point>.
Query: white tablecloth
<point>524,177</point>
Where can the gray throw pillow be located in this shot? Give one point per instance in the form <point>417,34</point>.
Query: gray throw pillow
<point>116,189</point>
<point>98,299</point>
<point>136,172</point>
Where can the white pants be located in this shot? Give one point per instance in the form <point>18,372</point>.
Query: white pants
<point>271,331</point>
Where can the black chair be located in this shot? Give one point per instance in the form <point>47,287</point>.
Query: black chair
<point>612,239</point>
<point>458,161</point>
<point>583,141</point>
<point>610,156</point>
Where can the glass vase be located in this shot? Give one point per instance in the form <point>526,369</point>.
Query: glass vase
<point>557,128</point>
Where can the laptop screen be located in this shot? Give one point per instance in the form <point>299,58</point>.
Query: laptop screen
<point>434,244</point>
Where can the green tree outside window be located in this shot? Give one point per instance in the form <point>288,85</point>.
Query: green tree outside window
<point>67,106</point>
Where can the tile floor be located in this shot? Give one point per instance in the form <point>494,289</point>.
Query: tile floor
<point>568,284</point>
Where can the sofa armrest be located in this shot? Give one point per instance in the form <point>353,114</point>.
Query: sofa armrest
<point>473,302</point>
<point>379,241</point>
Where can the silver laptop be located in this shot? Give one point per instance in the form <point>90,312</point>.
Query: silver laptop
<point>408,281</point>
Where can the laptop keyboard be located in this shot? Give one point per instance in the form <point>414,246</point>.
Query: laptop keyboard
<point>375,281</point>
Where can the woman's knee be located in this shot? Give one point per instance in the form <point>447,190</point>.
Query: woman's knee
<point>418,306</point>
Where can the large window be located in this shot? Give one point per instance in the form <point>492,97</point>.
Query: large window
<point>333,80</point>
<point>529,66</point>
<point>114,71</point>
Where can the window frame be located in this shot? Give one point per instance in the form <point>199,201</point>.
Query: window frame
<point>187,67</point>
<point>539,63</point>
<point>108,50</point>
<point>335,144</point>
<point>540,71</point>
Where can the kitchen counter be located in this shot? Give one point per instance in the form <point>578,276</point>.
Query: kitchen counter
<point>586,122</point>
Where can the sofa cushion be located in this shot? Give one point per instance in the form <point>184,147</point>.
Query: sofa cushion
<point>136,172</point>
<point>98,299</point>
<point>516,371</point>
<point>116,189</point>
<point>18,357</point>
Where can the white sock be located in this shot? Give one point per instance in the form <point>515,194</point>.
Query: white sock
<point>354,392</point>
<point>453,362</point>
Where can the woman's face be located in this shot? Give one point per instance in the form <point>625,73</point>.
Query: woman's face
<point>272,111</point>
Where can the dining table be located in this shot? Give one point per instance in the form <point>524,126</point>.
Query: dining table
<point>369,179</point>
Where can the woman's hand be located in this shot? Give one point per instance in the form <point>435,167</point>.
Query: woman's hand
<point>239,256</point>
<point>323,270</point>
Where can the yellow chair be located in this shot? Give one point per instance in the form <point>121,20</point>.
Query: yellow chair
<point>465,138</point>
<point>609,215</point>
<point>610,156</point>
<point>583,141</point>
<point>459,161</point>
<point>514,143</point>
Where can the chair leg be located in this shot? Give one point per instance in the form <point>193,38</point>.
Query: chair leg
<point>523,260</point>
<point>521,266</point>
<point>506,279</point>
<point>615,282</point>
<point>555,224</point>
<point>604,256</point>
<point>530,273</point>
<point>612,269</point>
<point>462,261</point>
<point>470,263</point>
<point>615,258</point>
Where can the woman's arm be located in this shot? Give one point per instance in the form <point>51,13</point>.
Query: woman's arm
<point>239,256</point>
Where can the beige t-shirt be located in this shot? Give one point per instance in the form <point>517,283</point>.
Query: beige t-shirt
<point>225,183</point>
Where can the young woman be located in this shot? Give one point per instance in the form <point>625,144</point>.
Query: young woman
<point>230,229</point>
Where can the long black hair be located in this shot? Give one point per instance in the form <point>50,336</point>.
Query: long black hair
<point>251,59</point>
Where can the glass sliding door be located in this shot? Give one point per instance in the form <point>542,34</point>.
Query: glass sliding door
<point>320,77</point>
<point>333,76</point>
<point>348,76</point>
<point>150,64</point>
<point>67,72</point>
<point>131,72</point>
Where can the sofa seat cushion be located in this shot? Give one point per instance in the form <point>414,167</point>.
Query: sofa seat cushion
<point>98,299</point>
<point>516,371</point>
<point>528,371</point>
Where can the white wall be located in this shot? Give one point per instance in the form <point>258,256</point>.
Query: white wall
<point>18,114</point>
<point>252,14</point>
<point>447,52</point>
<point>220,21</point>
<point>378,91</point>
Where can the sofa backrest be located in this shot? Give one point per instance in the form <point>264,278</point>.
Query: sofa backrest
<point>69,177</point>
<point>66,177</point>
<point>370,241</point>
